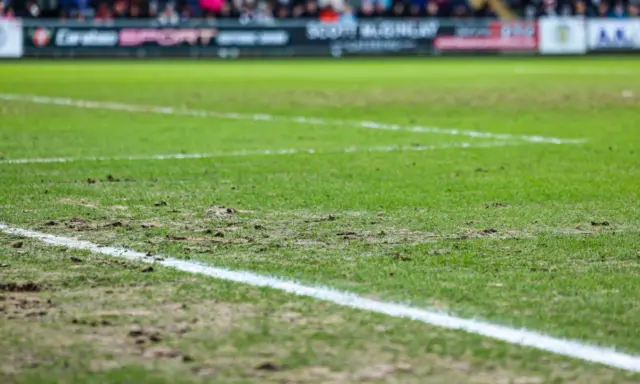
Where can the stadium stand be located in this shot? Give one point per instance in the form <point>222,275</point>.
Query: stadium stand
<point>261,11</point>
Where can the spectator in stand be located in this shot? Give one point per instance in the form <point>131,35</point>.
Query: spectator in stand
<point>398,9</point>
<point>347,16</point>
<point>282,11</point>
<point>328,14</point>
<point>169,14</point>
<point>310,10</point>
<point>277,4</point>
<point>186,12</point>
<point>135,11</point>
<point>581,9</point>
<point>80,9</point>
<point>419,4</point>
<point>228,11</point>
<point>460,10</point>
<point>6,12</point>
<point>366,9</point>
<point>153,9</point>
<point>565,9</point>
<point>265,13</point>
<point>336,5</point>
<point>433,10</point>
<point>633,10</point>
<point>103,14</point>
<point>603,10</point>
<point>297,11</point>
<point>380,9</point>
<point>210,8</point>
<point>618,11</point>
<point>120,9</point>
<point>548,8</point>
<point>416,10</point>
<point>247,12</point>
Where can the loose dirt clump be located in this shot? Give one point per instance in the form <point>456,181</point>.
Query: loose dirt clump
<point>221,211</point>
<point>20,287</point>
<point>268,366</point>
<point>144,336</point>
<point>497,205</point>
<point>23,306</point>
<point>81,203</point>
<point>161,353</point>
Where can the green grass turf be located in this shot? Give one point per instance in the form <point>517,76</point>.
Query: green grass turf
<point>511,234</point>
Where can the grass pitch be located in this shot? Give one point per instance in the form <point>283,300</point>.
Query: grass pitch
<point>536,235</point>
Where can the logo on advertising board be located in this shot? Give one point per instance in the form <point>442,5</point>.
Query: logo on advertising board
<point>132,37</point>
<point>499,36</point>
<point>10,38</point>
<point>469,30</point>
<point>562,35</point>
<point>401,29</point>
<point>373,36</point>
<point>612,34</point>
<point>66,37</point>
<point>40,37</point>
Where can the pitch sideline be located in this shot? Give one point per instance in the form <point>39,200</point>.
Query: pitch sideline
<point>521,337</point>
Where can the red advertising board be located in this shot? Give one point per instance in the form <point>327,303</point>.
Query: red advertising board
<point>501,35</point>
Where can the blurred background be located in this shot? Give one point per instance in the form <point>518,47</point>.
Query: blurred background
<point>267,11</point>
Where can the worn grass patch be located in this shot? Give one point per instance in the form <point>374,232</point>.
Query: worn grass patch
<point>542,236</point>
<point>141,323</point>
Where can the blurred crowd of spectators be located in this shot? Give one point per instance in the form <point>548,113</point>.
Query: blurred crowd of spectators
<point>266,11</point>
<point>588,8</point>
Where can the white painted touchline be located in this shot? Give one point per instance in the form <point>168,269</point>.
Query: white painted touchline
<point>264,152</point>
<point>574,71</point>
<point>522,337</point>
<point>116,106</point>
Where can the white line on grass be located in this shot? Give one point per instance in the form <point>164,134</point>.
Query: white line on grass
<point>117,106</point>
<point>575,71</point>
<point>522,337</point>
<point>267,152</point>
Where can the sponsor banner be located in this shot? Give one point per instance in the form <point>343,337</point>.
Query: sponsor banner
<point>112,37</point>
<point>495,36</point>
<point>239,38</point>
<point>10,38</point>
<point>314,38</point>
<point>42,37</point>
<point>611,34</point>
<point>374,37</point>
<point>166,37</point>
<point>563,35</point>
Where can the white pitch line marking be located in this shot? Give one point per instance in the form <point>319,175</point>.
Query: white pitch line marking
<point>575,71</point>
<point>116,106</point>
<point>521,337</point>
<point>267,152</point>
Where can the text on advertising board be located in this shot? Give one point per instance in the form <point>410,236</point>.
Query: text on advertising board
<point>614,34</point>
<point>66,37</point>
<point>516,35</point>
<point>409,29</point>
<point>252,38</point>
<point>166,36</point>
